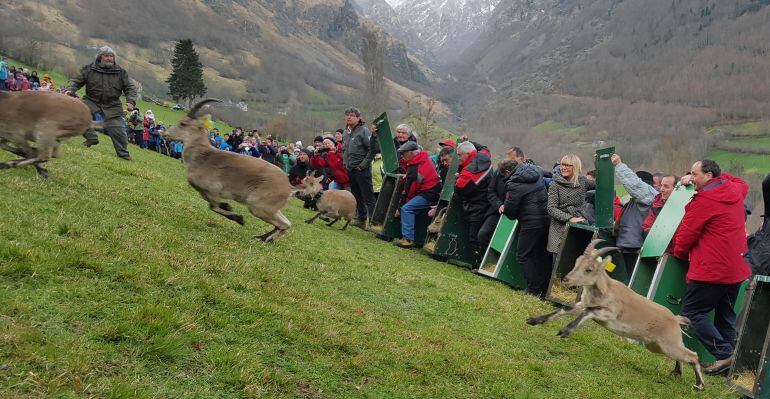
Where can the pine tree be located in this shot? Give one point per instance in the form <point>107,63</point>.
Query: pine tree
<point>186,80</point>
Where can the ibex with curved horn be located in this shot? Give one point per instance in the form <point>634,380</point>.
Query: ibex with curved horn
<point>221,175</point>
<point>623,311</point>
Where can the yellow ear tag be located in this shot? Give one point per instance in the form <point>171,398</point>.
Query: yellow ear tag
<point>610,267</point>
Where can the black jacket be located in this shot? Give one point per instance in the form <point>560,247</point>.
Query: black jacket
<point>472,186</point>
<point>526,196</point>
<point>496,190</point>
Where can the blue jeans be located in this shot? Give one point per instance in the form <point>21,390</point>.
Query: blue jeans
<point>335,186</point>
<point>408,215</point>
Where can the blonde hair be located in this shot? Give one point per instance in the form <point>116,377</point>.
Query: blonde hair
<point>577,167</point>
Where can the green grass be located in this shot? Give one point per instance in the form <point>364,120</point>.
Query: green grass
<point>166,115</point>
<point>116,281</point>
<point>759,128</point>
<point>751,163</point>
<point>557,127</point>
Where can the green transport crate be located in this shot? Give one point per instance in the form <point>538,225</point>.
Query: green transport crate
<point>451,242</point>
<point>658,239</point>
<point>750,373</point>
<point>577,236</point>
<point>500,262</point>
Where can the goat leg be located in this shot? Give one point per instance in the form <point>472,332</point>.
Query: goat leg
<point>346,224</point>
<point>225,206</point>
<point>698,376</point>
<point>587,314</point>
<point>533,321</point>
<point>332,222</point>
<point>677,371</point>
<point>217,206</point>
<point>267,236</point>
<point>311,220</point>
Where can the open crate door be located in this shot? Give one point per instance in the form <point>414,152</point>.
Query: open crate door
<point>447,191</point>
<point>750,373</point>
<point>389,181</point>
<point>500,260</point>
<point>659,238</point>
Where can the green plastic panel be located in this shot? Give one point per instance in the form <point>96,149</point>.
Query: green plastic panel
<point>752,352</point>
<point>667,222</point>
<point>452,241</point>
<point>500,261</point>
<point>668,289</point>
<point>449,184</point>
<point>387,148</point>
<point>605,188</point>
<point>383,202</point>
<point>643,275</point>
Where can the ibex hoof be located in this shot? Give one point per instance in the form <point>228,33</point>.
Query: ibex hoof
<point>4,166</point>
<point>533,321</point>
<point>309,221</point>
<point>238,219</point>
<point>698,387</point>
<point>563,333</point>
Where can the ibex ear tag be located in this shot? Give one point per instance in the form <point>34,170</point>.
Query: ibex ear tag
<point>610,267</point>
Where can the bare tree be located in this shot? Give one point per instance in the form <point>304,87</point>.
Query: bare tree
<point>373,55</point>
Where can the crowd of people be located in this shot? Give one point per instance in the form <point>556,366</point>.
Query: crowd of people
<point>21,79</point>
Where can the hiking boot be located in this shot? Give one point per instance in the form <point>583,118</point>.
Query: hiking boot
<point>720,367</point>
<point>403,243</point>
<point>89,143</point>
<point>126,158</point>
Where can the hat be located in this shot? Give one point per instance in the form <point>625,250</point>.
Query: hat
<point>298,143</point>
<point>330,139</point>
<point>408,146</point>
<point>448,142</point>
<point>645,176</point>
<point>310,148</point>
<point>318,138</point>
<point>106,50</point>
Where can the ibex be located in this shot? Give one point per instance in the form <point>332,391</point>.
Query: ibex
<point>221,175</point>
<point>623,311</point>
<point>40,118</point>
<point>333,204</point>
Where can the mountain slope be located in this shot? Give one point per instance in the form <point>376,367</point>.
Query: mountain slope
<point>267,52</point>
<point>693,52</point>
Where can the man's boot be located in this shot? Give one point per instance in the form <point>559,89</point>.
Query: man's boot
<point>720,367</point>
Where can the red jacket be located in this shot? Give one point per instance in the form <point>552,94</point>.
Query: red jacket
<point>713,232</point>
<point>657,205</point>
<point>334,163</point>
<point>421,179</point>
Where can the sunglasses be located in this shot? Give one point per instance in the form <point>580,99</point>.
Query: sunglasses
<point>566,165</point>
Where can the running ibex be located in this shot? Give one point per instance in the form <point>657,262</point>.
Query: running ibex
<point>42,119</point>
<point>622,311</point>
<point>221,175</point>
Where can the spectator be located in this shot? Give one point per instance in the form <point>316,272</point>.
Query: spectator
<point>335,166</point>
<point>285,159</point>
<point>268,151</point>
<point>105,81</point>
<point>3,74</point>
<point>628,232</point>
<point>338,137</point>
<point>445,160</point>
<point>526,200</point>
<point>667,184</point>
<point>25,85</point>
<point>301,169</point>
<point>403,134</point>
<point>471,187</point>
<point>149,125</point>
<point>223,145</point>
<point>136,127</point>
<point>657,178</point>
<point>712,235</point>
<point>47,83</point>
<point>10,82</point>
<point>566,196</point>
<point>496,197</point>
<point>33,78</point>
<point>422,188</point>
<point>178,147</point>
<point>357,158</point>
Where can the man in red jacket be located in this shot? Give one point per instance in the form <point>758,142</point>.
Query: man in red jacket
<point>713,236</point>
<point>422,188</point>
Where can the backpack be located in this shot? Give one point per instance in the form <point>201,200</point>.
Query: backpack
<point>758,255</point>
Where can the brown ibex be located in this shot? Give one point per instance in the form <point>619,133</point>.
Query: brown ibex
<point>622,311</point>
<point>40,118</point>
<point>333,204</point>
<point>221,175</point>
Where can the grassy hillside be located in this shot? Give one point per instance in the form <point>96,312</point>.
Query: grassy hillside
<point>117,281</point>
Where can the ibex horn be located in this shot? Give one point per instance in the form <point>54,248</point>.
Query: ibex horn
<point>592,245</point>
<point>194,110</point>
<point>605,250</point>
